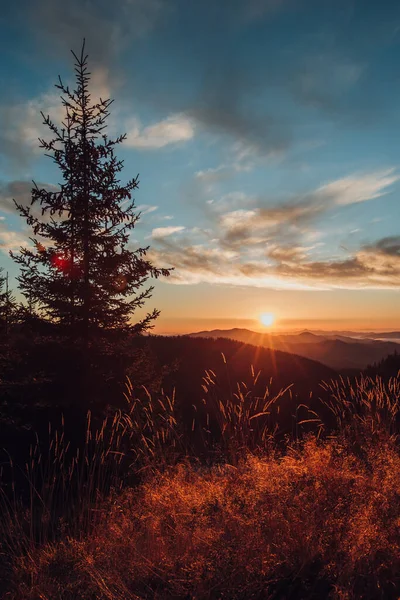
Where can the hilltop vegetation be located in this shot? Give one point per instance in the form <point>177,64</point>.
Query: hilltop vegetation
<point>44,381</point>
<point>144,513</point>
<point>220,469</point>
<point>319,522</point>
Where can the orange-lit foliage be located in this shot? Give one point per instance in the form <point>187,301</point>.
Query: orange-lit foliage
<point>318,518</point>
<point>315,522</point>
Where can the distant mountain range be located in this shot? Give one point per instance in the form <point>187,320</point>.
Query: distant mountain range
<point>338,350</point>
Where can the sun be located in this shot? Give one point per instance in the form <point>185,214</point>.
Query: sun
<point>267,319</point>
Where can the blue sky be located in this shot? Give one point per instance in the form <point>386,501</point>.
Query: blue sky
<point>265,134</point>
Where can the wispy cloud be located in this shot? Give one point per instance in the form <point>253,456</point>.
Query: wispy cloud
<point>20,191</point>
<point>22,126</point>
<point>11,240</point>
<point>145,209</point>
<point>22,123</point>
<point>358,188</point>
<point>161,232</point>
<point>277,246</point>
<point>172,130</point>
<point>289,219</point>
<point>213,175</point>
<point>374,267</point>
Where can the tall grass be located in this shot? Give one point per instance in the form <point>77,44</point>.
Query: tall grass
<point>366,405</point>
<point>216,505</point>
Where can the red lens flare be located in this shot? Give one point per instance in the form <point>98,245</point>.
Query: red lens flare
<point>59,262</point>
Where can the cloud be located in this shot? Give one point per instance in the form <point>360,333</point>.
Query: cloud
<point>210,176</point>
<point>221,110</point>
<point>22,123</point>
<point>287,254</point>
<point>235,87</point>
<point>289,219</point>
<point>11,240</point>
<point>246,88</point>
<point>20,191</point>
<point>388,246</point>
<point>195,264</point>
<point>276,246</point>
<point>145,209</point>
<point>172,130</point>
<point>353,189</point>
<point>107,27</point>
<point>161,232</point>
<point>229,92</point>
<point>243,158</point>
<point>375,267</point>
<point>262,224</point>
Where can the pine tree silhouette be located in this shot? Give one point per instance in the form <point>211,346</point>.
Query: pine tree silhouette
<point>81,274</point>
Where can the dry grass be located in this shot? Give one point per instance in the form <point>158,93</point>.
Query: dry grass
<point>318,521</point>
<point>318,518</point>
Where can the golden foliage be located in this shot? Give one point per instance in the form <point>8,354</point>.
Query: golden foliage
<point>317,517</point>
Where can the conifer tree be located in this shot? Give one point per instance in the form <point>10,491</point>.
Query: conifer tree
<point>81,273</point>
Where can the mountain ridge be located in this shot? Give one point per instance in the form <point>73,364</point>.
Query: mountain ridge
<point>335,350</point>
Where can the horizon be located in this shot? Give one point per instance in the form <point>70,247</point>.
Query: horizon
<point>284,327</point>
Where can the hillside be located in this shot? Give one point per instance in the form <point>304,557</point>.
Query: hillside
<point>230,363</point>
<point>194,356</point>
<point>338,352</point>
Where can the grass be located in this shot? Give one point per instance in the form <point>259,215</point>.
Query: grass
<point>219,507</point>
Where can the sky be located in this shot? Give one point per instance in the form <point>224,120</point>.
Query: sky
<point>266,138</point>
